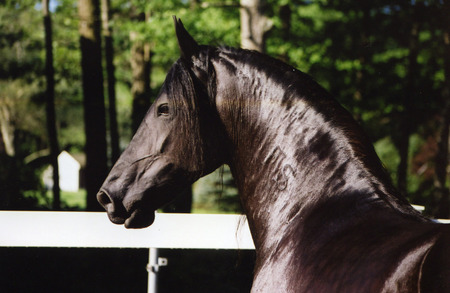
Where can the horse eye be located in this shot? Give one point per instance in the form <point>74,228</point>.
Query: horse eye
<point>163,110</point>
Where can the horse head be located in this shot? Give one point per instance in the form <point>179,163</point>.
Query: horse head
<point>176,143</point>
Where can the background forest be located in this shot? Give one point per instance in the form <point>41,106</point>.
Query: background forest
<point>78,75</point>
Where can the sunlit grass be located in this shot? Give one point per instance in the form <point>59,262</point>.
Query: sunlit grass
<point>71,200</point>
<point>76,200</point>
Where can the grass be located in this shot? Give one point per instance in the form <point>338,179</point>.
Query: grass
<point>71,200</point>
<point>76,200</point>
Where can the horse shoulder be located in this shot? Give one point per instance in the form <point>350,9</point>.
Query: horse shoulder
<point>435,274</point>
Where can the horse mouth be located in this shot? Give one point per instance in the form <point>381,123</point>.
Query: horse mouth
<point>139,219</point>
<point>133,217</point>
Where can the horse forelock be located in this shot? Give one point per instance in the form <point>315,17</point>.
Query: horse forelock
<point>184,94</point>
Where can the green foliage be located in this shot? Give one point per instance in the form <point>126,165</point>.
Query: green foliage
<point>388,155</point>
<point>213,26</point>
<point>21,65</point>
<point>21,117</point>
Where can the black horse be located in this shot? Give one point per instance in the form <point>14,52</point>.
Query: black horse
<point>323,213</point>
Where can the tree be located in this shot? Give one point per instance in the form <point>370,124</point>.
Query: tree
<point>93,99</point>
<point>409,97</point>
<point>6,128</point>
<point>110,73</point>
<point>141,70</point>
<point>50,103</point>
<point>442,157</point>
<point>22,129</point>
<point>254,25</point>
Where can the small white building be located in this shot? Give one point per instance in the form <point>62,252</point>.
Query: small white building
<point>69,173</point>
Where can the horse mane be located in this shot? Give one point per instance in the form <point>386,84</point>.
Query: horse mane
<point>300,86</point>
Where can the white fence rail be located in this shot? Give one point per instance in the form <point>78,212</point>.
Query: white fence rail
<point>84,229</point>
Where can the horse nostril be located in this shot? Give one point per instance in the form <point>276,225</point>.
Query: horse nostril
<point>116,211</point>
<point>104,199</point>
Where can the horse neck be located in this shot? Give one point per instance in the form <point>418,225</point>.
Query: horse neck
<point>288,155</point>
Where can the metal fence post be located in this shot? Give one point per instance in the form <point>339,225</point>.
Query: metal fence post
<point>152,269</point>
<point>154,263</point>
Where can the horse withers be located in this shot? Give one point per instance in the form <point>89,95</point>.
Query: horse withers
<point>322,211</point>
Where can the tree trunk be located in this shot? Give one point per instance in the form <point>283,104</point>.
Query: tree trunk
<point>442,157</point>
<point>7,130</point>
<point>254,25</point>
<point>93,99</point>
<point>50,104</point>
<point>9,187</point>
<point>363,54</point>
<point>408,107</point>
<point>285,15</point>
<point>140,89</point>
<point>110,69</point>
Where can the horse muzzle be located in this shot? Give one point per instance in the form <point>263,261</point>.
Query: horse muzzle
<point>133,217</point>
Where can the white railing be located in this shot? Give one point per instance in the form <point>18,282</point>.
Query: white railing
<point>84,229</point>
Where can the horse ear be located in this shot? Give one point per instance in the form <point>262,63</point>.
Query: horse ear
<point>188,46</point>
